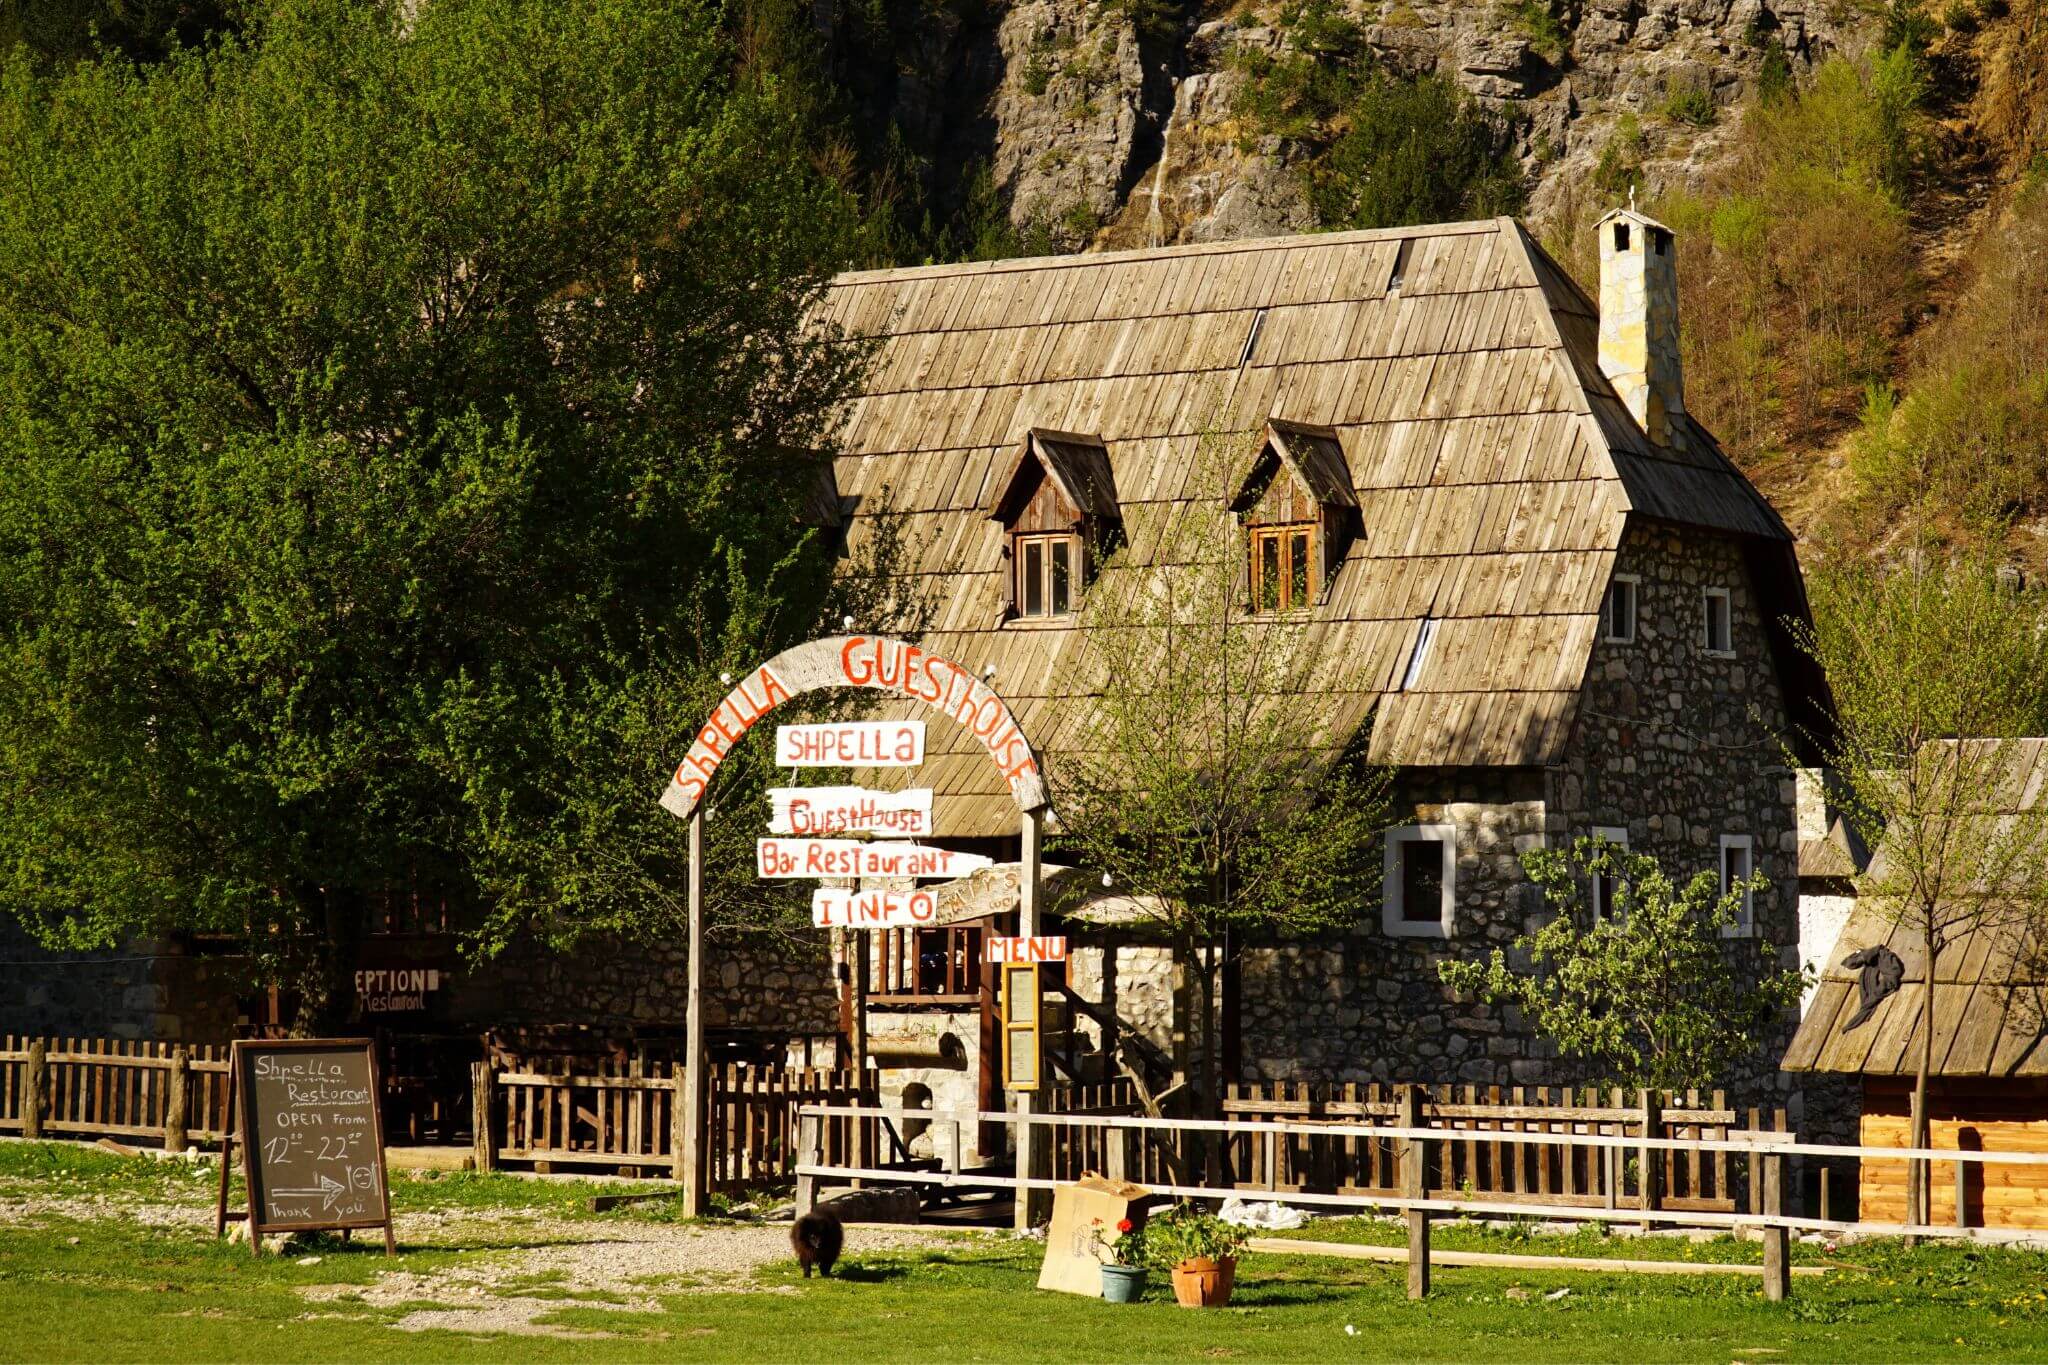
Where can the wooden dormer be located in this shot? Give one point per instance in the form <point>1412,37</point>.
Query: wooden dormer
<point>1299,513</point>
<point>1057,508</point>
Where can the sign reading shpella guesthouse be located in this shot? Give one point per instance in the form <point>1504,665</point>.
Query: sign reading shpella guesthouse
<point>1559,607</point>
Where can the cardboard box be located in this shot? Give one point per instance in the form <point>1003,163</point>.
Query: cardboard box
<point>1080,1211</point>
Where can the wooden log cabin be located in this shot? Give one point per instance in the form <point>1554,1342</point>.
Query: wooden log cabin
<point>1988,1086</point>
<point>1558,606</point>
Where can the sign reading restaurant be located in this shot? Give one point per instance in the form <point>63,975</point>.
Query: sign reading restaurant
<point>795,858</point>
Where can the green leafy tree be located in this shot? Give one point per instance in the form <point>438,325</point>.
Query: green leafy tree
<point>404,416</point>
<point>1207,782</point>
<point>1936,672</point>
<point>1651,995</point>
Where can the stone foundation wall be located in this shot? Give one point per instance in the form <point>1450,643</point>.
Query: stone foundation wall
<point>147,989</point>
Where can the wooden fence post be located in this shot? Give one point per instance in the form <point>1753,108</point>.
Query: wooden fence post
<point>1650,1160</point>
<point>35,1074</point>
<point>1962,1190</point>
<point>1756,1167</point>
<point>483,1142</point>
<point>1414,1153</point>
<point>682,1145</point>
<point>1777,1237</point>
<point>810,1151</point>
<point>177,1101</point>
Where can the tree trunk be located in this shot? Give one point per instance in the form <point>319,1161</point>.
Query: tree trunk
<point>1205,1062</point>
<point>326,984</point>
<point>1919,1188</point>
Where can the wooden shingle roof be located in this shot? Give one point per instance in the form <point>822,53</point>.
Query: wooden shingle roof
<point>1492,466</point>
<point>1989,983</point>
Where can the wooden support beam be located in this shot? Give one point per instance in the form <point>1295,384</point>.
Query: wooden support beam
<point>1414,1159</point>
<point>1777,1238</point>
<point>1352,1251</point>
<point>692,1078</point>
<point>177,1102</point>
<point>483,1142</point>
<point>35,1078</point>
<point>1033,1206</point>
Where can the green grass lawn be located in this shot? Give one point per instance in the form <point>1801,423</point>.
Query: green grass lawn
<point>109,1289</point>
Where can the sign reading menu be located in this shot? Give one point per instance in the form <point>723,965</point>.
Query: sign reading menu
<point>306,1114</point>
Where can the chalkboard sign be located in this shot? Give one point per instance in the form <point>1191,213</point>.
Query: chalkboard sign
<point>306,1114</point>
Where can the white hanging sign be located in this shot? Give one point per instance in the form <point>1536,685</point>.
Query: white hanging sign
<point>833,908</point>
<point>1006,952</point>
<point>850,810</point>
<point>789,858</point>
<point>851,744</point>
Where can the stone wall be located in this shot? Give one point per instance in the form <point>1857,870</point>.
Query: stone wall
<point>147,989</point>
<point>1675,745</point>
<point>755,985</point>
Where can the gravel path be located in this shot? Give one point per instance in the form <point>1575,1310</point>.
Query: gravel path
<point>526,1266</point>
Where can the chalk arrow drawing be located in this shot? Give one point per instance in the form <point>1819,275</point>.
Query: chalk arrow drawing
<point>327,1191</point>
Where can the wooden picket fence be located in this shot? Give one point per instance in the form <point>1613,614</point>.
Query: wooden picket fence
<point>173,1093</point>
<point>1607,1176</point>
<point>623,1114</point>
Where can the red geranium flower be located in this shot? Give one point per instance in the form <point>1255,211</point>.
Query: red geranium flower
<point>1123,1225</point>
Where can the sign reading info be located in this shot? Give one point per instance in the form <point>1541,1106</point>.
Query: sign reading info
<point>833,908</point>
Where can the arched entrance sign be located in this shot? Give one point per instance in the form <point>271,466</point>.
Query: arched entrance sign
<point>885,665</point>
<point>871,661</point>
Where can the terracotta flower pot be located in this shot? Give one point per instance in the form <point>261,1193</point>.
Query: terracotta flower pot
<point>1199,1282</point>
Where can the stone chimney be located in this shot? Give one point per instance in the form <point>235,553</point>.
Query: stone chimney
<point>1639,320</point>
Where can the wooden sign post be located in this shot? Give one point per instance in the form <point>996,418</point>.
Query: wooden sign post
<point>857,661</point>
<point>305,1113</point>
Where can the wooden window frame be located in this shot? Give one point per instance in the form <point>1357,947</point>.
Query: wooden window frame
<point>1020,544</point>
<point>1708,596</point>
<point>1603,891</point>
<point>1633,583</point>
<point>1393,917</point>
<point>1745,924</point>
<point>1284,533</point>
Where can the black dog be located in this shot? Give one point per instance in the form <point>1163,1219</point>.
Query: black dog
<point>816,1238</point>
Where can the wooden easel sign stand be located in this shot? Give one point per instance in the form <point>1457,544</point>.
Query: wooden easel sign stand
<point>305,1113</point>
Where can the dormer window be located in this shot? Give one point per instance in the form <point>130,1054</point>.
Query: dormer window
<point>1299,515</point>
<point>1057,509</point>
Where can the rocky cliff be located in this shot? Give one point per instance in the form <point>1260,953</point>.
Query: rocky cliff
<point>1107,125</point>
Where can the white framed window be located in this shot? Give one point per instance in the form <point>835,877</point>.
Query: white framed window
<point>1738,860</point>
<point>1606,890</point>
<point>1717,625</point>
<point>1047,574</point>
<point>1419,891</point>
<point>1618,612</point>
<point>1425,635</point>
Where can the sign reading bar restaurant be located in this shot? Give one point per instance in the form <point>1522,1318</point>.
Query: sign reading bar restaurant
<point>1005,952</point>
<point>791,858</point>
<point>860,661</point>
<point>833,908</point>
<point>851,744</point>
<point>850,810</point>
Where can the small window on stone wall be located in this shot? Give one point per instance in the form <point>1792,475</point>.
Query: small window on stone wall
<point>1419,892</point>
<point>1618,613</point>
<point>1737,862</point>
<point>1717,632</point>
<point>1606,891</point>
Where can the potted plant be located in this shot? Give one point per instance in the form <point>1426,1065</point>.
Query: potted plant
<point>1201,1250</point>
<point>1123,1274</point>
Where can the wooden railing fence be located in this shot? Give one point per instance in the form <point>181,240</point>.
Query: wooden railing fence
<point>623,1114</point>
<point>1615,1176</point>
<point>173,1093</point>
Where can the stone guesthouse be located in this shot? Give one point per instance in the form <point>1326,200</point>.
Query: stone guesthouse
<point>1558,606</point>
<point>1555,603</point>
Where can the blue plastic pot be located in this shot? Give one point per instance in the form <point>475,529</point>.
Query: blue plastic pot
<point>1123,1283</point>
